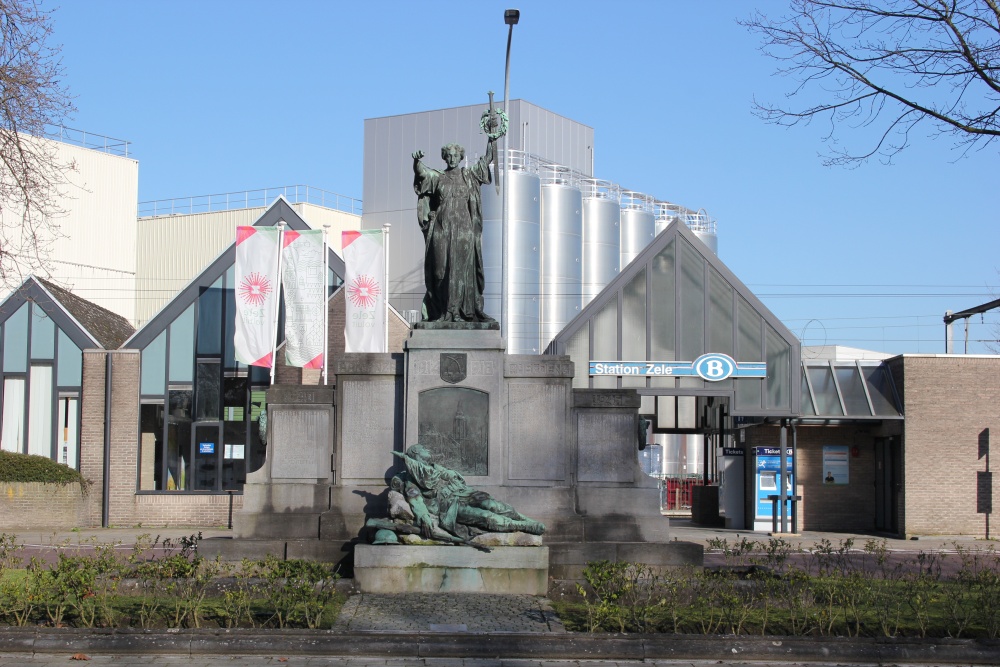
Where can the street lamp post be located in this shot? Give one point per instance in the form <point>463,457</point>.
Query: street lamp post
<point>510,17</point>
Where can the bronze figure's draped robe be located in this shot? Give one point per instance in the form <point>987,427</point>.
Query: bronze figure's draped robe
<point>450,213</point>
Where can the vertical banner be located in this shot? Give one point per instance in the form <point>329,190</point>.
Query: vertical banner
<point>257,294</point>
<point>304,279</point>
<point>364,258</point>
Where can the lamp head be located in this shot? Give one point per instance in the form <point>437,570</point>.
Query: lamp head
<point>511,16</point>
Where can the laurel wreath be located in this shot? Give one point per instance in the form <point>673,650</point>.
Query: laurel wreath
<point>484,123</point>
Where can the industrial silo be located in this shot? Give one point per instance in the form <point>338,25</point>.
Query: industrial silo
<point>562,249</point>
<point>704,228</point>
<point>601,235</point>
<point>638,225</point>
<point>524,246</point>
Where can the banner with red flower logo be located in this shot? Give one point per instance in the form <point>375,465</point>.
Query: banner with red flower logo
<point>256,294</point>
<point>364,259</point>
<point>303,269</point>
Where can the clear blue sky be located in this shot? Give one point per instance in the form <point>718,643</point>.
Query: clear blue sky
<point>228,96</point>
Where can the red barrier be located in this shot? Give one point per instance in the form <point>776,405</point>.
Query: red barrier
<point>675,492</point>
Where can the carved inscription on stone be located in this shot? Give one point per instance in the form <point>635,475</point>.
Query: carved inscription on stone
<point>607,447</point>
<point>475,367</point>
<point>454,426</point>
<point>542,368</point>
<point>368,419</point>
<point>537,427</point>
<point>300,441</point>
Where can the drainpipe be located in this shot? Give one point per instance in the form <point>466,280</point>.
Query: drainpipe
<point>105,499</point>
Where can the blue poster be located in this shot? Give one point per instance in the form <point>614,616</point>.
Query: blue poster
<point>206,447</point>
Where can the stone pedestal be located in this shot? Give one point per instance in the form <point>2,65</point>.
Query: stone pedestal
<point>450,569</point>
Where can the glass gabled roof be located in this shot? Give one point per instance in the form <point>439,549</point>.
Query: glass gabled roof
<point>848,390</point>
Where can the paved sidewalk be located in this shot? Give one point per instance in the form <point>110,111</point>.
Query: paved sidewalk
<point>447,612</point>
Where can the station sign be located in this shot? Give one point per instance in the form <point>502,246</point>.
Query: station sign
<point>713,367</point>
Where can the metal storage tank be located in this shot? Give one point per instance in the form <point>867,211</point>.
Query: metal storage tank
<point>698,222</point>
<point>524,261</point>
<point>601,235</point>
<point>638,226</point>
<point>562,249</point>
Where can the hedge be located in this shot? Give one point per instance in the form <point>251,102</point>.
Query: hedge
<point>31,468</point>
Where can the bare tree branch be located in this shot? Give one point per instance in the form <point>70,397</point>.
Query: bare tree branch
<point>32,99</point>
<point>887,64</point>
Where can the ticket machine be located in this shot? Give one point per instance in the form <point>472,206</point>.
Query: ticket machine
<point>767,463</point>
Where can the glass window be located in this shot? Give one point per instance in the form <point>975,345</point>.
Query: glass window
<point>151,447</point>
<point>605,325</point>
<point>209,387</point>
<point>70,370</point>
<point>662,311</point>
<point>256,450</point>
<point>154,364</point>
<point>687,412</point>
<point>666,412</point>
<point>807,402</point>
<point>178,454</point>
<point>634,325</point>
<point>852,390</point>
<point>207,453</point>
<point>749,348</point>
<point>880,390</point>
<point>229,328</point>
<point>692,294</point>
<point>15,341</point>
<point>824,391</point>
<point>40,410</point>
<point>778,374</point>
<point>720,314</point>
<point>210,317</point>
<point>578,349</point>
<point>182,347</point>
<point>12,434</point>
<point>43,334</point>
<point>68,433</point>
<point>234,469</point>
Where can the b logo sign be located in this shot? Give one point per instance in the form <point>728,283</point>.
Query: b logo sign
<point>714,367</point>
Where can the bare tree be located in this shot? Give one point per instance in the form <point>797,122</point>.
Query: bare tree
<point>32,100</point>
<point>886,66</point>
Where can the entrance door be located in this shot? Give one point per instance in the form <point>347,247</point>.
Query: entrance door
<point>887,484</point>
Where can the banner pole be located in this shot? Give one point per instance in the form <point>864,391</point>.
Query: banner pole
<point>326,302</point>
<point>277,303</point>
<point>385,236</point>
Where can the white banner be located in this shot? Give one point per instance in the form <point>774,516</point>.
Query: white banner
<point>364,258</point>
<point>256,294</point>
<point>304,279</point>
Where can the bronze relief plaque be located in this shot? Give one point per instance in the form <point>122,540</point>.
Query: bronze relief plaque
<point>454,366</point>
<point>454,424</point>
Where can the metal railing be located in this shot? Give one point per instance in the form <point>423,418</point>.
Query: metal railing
<point>230,201</point>
<point>676,492</point>
<point>91,140</point>
<point>697,221</point>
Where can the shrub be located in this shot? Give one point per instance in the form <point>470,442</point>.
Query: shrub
<point>31,468</point>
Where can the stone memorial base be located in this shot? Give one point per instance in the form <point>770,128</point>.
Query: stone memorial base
<point>447,569</point>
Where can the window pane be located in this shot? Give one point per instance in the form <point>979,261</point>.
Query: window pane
<point>749,348</point>
<point>662,311</point>
<point>605,325</point>
<point>666,412</point>
<point>207,453</point>
<point>234,469</point>
<point>182,347</point>
<point>70,370</point>
<point>720,314</point>
<point>778,378</point>
<point>40,411</point>
<point>880,389</point>
<point>210,320</point>
<point>208,389</point>
<point>687,412</point>
<point>692,295</point>
<point>229,328</point>
<point>807,402</point>
<point>43,336</point>
<point>15,341</point>
<point>578,349</point>
<point>258,404</point>
<point>178,454</point>
<point>634,326</point>
<point>12,438</point>
<point>68,445</point>
<point>151,447</point>
<point>852,390</point>
<point>824,390</point>
<point>154,363</point>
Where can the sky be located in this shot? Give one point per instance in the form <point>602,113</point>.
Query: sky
<point>220,96</point>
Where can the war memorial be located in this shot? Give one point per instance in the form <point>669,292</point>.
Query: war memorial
<point>454,466</point>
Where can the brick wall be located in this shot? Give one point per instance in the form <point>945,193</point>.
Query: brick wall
<point>92,433</point>
<point>123,470</point>
<point>35,505</point>
<point>952,413</point>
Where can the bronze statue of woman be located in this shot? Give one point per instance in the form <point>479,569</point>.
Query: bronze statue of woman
<point>450,214</point>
